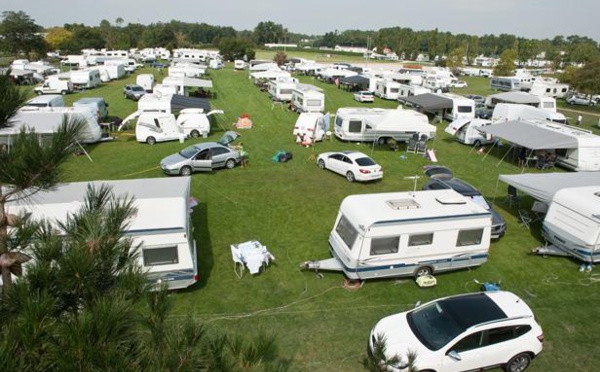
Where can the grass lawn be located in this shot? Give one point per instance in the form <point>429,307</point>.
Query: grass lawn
<point>291,207</point>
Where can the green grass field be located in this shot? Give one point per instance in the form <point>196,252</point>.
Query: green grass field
<point>291,207</point>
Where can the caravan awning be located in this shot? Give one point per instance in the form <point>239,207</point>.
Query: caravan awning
<point>530,135</point>
<point>187,82</point>
<point>515,97</point>
<point>543,186</point>
<point>179,102</point>
<point>359,80</point>
<point>429,101</point>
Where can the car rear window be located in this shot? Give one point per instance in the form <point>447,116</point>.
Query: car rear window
<point>365,162</point>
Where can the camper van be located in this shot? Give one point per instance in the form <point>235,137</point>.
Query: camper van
<point>466,131</point>
<point>45,121</point>
<point>572,224</point>
<point>407,234</point>
<point>161,227</point>
<point>387,89</point>
<point>315,124</point>
<point>307,100</point>
<point>511,111</point>
<point>155,127</point>
<point>96,104</point>
<point>50,100</point>
<point>54,86</point>
<point>281,90</point>
<point>85,79</point>
<point>380,125</point>
<point>146,81</point>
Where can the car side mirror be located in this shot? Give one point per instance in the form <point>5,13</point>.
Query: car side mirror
<point>455,355</point>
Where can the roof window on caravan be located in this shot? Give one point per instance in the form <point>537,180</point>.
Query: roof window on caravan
<point>403,204</point>
<point>450,200</point>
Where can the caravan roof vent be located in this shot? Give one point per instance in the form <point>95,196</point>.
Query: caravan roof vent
<point>403,204</point>
<point>451,200</point>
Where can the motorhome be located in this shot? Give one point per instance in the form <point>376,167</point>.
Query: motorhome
<point>161,231</point>
<point>281,90</point>
<point>146,81</point>
<point>467,131</point>
<point>50,100</point>
<point>572,224</point>
<point>513,111</point>
<point>315,124</point>
<point>505,83</point>
<point>407,234</point>
<point>46,120</point>
<point>380,125</point>
<point>387,89</point>
<point>54,86</point>
<point>307,100</point>
<point>155,127</point>
<point>85,79</point>
<point>95,104</point>
<point>543,102</point>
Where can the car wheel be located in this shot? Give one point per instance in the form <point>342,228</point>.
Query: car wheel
<point>422,271</point>
<point>350,177</point>
<point>321,163</point>
<point>185,171</point>
<point>63,92</point>
<point>518,363</point>
<point>230,163</point>
<point>195,134</point>
<point>39,92</point>
<point>151,140</point>
<point>382,141</point>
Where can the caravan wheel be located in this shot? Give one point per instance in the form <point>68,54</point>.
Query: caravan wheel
<point>195,134</point>
<point>422,271</point>
<point>382,141</point>
<point>151,140</point>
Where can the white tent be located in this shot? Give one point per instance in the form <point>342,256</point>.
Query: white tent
<point>543,186</point>
<point>184,83</point>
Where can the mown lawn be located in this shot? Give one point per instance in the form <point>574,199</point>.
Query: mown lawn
<point>290,207</point>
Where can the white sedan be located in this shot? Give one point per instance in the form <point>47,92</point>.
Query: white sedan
<point>364,96</point>
<point>354,165</point>
<point>459,84</point>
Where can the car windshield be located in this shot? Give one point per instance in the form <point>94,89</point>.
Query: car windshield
<point>433,325</point>
<point>480,200</point>
<point>365,162</point>
<point>137,88</point>
<point>188,152</point>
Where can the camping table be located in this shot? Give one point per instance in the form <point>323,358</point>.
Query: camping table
<point>254,255</point>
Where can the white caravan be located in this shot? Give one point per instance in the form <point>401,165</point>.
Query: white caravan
<point>387,89</point>
<point>50,100</point>
<point>467,131</point>
<point>96,104</point>
<point>505,83</point>
<point>45,122</point>
<point>78,61</point>
<point>572,224</point>
<point>54,86</point>
<point>403,92</point>
<point>462,107</point>
<point>281,89</point>
<point>239,64</point>
<point>307,100</point>
<point>155,127</point>
<point>315,124</point>
<point>380,125</point>
<point>113,72</point>
<point>161,227</point>
<point>85,79</point>
<point>543,88</point>
<point>512,111</point>
<point>146,81</point>
<point>543,102</point>
<point>407,234</point>
<point>585,153</point>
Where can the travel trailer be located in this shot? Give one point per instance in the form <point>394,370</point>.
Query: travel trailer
<point>571,226</point>
<point>380,125</point>
<point>467,131</point>
<point>307,100</point>
<point>54,86</point>
<point>387,89</point>
<point>45,121</point>
<point>50,100</point>
<point>112,72</point>
<point>407,234</point>
<point>96,104</point>
<point>146,81</point>
<point>512,111</point>
<point>155,127</point>
<point>161,228</point>
<point>281,90</point>
<point>505,83</point>
<point>543,88</point>
<point>543,102</point>
<point>78,61</point>
<point>584,155</point>
<point>85,79</point>
<point>239,64</point>
<point>315,124</point>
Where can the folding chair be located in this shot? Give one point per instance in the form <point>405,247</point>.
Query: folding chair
<point>525,218</point>
<point>238,263</point>
<point>411,144</point>
<point>422,145</point>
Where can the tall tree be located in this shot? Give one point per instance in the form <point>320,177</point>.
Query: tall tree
<point>268,32</point>
<point>587,78</point>
<point>20,34</point>
<point>506,65</point>
<point>455,60</point>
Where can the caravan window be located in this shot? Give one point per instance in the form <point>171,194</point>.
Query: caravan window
<point>160,256</point>
<point>384,245</point>
<point>469,237</point>
<point>346,231</point>
<point>420,239</point>
<point>313,102</point>
<point>464,109</point>
<point>355,126</point>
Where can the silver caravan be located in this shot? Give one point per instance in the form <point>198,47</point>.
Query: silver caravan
<point>572,224</point>
<point>281,89</point>
<point>380,125</point>
<point>407,234</point>
<point>307,100</point>
<point>161,228</point>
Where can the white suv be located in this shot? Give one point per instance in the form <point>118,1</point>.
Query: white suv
<point>460,333</point>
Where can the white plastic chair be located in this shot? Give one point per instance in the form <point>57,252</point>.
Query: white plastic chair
<point>238,263</point>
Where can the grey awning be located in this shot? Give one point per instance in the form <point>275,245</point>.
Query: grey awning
<point>361,81</point>
<point>179,102</point>
<point>430,101</point>
<point>542,186</point>
<point>531,136</point>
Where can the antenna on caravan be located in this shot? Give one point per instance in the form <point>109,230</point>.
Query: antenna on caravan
<point>415,178</point>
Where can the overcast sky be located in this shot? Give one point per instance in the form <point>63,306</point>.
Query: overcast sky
<point>537,19</point>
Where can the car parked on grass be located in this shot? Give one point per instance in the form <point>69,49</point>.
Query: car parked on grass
<point>203,157</point>
<point>581,100</point>
<point>468,332</point>
<point>441,178</point>
<point>476,97</point>
<point>364,96</point>
<point>458,84</point>
<point>354,165</point>
<point>133,91</point>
